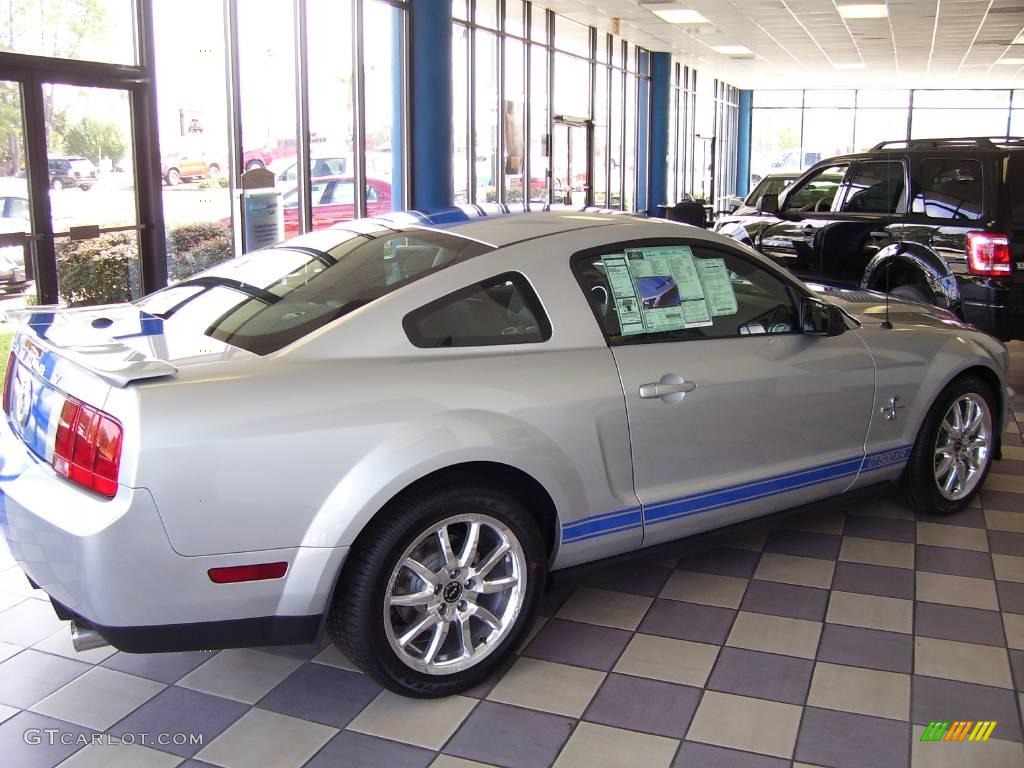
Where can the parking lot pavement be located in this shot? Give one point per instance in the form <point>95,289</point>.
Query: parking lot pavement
<point>825,639</point>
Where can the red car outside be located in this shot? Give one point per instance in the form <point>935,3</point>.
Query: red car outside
<point>334,201</point>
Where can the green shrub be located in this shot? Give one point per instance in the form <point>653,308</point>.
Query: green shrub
<point>195,247</point>
<point>221,182</point>
<point>103,270</point>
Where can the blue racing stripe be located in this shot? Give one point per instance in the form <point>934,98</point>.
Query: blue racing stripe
<point>706,501</point>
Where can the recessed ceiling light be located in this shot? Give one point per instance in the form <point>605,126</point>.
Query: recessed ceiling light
<point>849,64</point>
<point>864,11</point>
<point>731,50</point>
<point>679,16</point>
<point>1012,62</point>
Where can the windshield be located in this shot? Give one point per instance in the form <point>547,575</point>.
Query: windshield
<point>268,299</point>
<point>769,186</point>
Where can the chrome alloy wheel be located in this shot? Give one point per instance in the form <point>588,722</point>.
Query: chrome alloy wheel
<point>962,446</point>
<point>455,594</point>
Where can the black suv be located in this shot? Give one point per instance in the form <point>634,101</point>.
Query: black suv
<point>66,172</point>
<point>937,220</point>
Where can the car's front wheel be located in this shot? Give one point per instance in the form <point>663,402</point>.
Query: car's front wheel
<point>439,590</point>
<point>954,448</point>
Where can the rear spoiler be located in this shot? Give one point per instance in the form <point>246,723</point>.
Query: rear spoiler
<point>114,362</point>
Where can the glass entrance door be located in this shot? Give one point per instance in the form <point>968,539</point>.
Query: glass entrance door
<point>15,218</point>
<point>570,162</point>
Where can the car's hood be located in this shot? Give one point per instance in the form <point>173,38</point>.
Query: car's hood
<point>869,308</point>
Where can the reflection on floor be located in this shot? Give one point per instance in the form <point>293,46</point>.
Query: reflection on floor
<point>831,639</point>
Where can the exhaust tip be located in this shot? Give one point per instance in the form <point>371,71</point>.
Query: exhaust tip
<point>86,638</point>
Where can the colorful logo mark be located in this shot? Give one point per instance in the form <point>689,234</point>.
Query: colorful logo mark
<point>959,730</point>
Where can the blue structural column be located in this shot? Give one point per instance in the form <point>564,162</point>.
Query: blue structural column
<point>743,155</point>
<point>661,101</point>
<point>430,114</point>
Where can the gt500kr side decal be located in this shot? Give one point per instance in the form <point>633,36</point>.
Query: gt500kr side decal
<point>627,519</point>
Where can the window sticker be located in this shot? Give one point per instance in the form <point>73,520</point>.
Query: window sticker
<point>718,290</point>
<point>659,289</point>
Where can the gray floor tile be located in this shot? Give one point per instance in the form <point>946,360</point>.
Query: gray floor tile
<point>572,642</point>
<point>165,667</point>
<point>688,621</point>
<point>553,599</point>
<point>303,652</point>
<point>493,734</point>
<point>833,738</point>
<point>18,735</point>
<point>695,755</point>
<point>1010,502</point>
<point>724,561</point>
<point>762,675</point>
<point>870,648</point>
<point>804,544</point>
<point>267,738</point>
<point>635,579</point>
<point>941,700</point>
<point>600,746</point>
<point>321,693</point>
<point>785,600</point>
<point>1011,596</point>
<point>1006,543</point>
<point>957,562</point>
<point>880,528</point>
<point>28,622</point>
<point>357,750</point>
<point>179,710</point>
<point>106,755</point>
<point>99,698</point>
<point>951,622</point>
<point>651,706</point>
<point>31,675</point>
<point>1017,666</point>
<point>879,580</point>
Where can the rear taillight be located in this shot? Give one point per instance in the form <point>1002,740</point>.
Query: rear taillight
<point>87,449</point>
<point>8,375</point>
<point>988,254</point>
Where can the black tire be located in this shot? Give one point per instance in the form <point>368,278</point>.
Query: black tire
<point>173,177</point>
<point>254,164</point>
<point>920,488</point>
<point>913,292</point>
<point>356,620</point>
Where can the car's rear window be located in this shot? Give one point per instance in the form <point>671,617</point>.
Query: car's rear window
<point>266,300</point>
<point>1015,186</point>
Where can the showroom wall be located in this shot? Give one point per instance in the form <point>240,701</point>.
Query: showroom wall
<point>793,129</point>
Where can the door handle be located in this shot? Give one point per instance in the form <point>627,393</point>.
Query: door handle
<point>658,389</point>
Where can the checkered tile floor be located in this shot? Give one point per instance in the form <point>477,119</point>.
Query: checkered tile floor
<point>829,639</point>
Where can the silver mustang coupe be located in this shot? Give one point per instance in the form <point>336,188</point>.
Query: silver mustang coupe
<point>394,430</point>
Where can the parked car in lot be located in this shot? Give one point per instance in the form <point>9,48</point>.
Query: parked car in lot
<point>938,220</point>
<point>179,166</point>
<point>71,171</point>
<point>334,202</point>
<point>396,428</point>
<point>286,168</point>
<point>14,219</point>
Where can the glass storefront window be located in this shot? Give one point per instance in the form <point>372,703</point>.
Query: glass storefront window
<point>615,147</point>
<point>962,100</point>
<point>515,18</point>
<point>486,13</point>
<point>1017,122</point>
<point>385,111</point>
<point>775,140</point>
<point>191,103</point>
<point>827,133</point>
<point>540,130</point>
<point>828,98</point>
<point>880,98</point>
<point>86,30</point>
<point>513,125</point>
<point>460,112</point>
<point>630,144</point>
<point>778,99</point>
<point>876,125</point>
<point>957,123</point>
<point>572,86</point>
<point>485,142</point>
<point>571,36</point>
<point>600,180</point>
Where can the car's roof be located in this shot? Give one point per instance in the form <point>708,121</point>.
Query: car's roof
<point>502,230</point>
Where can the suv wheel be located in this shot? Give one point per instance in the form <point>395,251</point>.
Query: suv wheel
<point>440,590</point>
<point>954,448</point>
<point>56,184</point>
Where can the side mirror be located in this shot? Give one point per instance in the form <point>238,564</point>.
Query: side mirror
<point>768,205</point>
<point>818,318</point>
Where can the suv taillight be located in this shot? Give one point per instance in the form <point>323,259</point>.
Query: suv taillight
<point>988,254</point>
<point>8,374</point>
<point>87,449</point>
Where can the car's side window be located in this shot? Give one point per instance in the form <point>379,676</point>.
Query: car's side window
<point>949,189</point>
<point>679,291</point>
<point>502,310</point>
<point>816,194</point>
<point>876,187</point>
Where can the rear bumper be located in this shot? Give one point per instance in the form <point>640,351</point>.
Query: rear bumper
<point>995,306</point>
<point>111,565</point>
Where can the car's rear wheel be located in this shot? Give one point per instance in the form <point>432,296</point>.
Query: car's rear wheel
<point>214,171</point>
<point>439,590</point>
<point>173,177</point>
<point>954,448</point>
<point>56,184</point>
<point>913,292</point>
